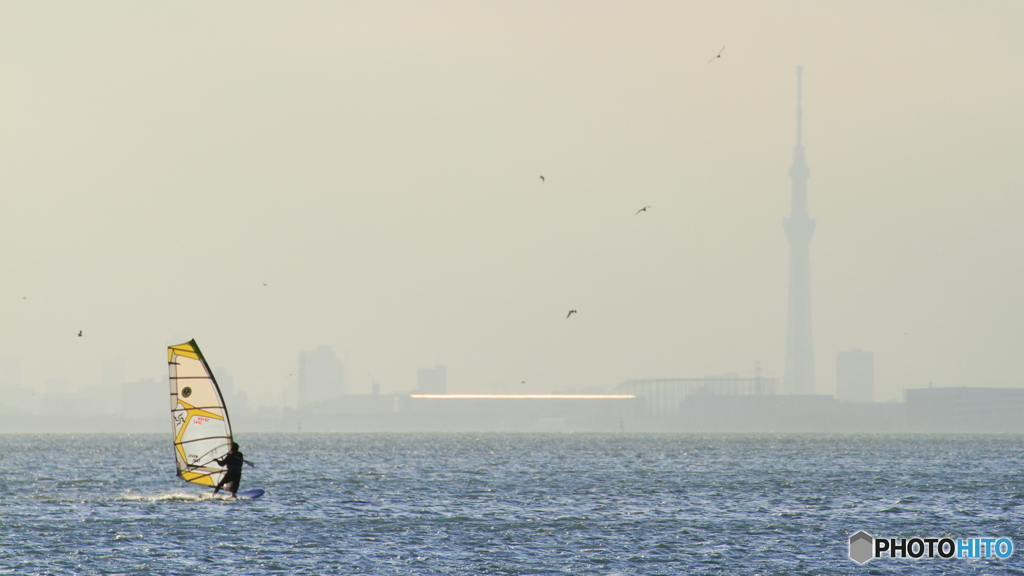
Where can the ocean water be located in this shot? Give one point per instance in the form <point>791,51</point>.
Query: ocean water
<point>508,504</point>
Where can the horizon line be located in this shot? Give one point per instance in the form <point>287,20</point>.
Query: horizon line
<point>525,396</point>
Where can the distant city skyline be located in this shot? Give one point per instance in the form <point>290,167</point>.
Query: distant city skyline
<point>271,179</point>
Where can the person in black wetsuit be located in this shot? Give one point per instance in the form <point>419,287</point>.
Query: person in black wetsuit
<point>233,477</point>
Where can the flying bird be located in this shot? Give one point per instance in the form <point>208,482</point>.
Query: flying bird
<point>79,333</point>
<point>264,283</point>
<point>719,55</point>
<point>571,312</point>
<point>542,179</point>
<point>644,209</point>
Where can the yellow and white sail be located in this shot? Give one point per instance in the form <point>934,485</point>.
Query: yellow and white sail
<point>202,431</point>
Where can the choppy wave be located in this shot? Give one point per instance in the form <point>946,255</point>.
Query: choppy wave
<point>508,504</point>
<point>173,496</point>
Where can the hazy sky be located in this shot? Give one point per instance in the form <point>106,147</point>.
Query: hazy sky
<point>377,165</point>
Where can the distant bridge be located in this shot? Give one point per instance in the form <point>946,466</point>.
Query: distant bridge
<point>662,396</point>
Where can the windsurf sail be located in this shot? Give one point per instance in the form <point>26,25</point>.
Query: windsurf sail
<point>202,431</point>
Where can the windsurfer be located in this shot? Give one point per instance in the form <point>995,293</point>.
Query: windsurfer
<point>233,461</point>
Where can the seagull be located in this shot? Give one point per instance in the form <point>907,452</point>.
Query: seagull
<point>644,209</point>
<point>79,333</point>
<point>542,179</point>
<point>571,312</point>
<point>719,55</point>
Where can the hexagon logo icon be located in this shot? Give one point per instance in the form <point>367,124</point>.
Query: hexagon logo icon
<point>862,547</point>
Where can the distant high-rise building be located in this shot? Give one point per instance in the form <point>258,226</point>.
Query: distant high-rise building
<point>855,376</point>
<point>237,402</point>
<point>321,376</point>
<point>432,380</point>
<point>15,398</point>
<point>144,400</point>
<point>799,375</point>
<point>10,373</point>
<point>113,373</point>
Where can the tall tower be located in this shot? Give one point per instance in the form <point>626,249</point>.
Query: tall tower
<point>799,376</point>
